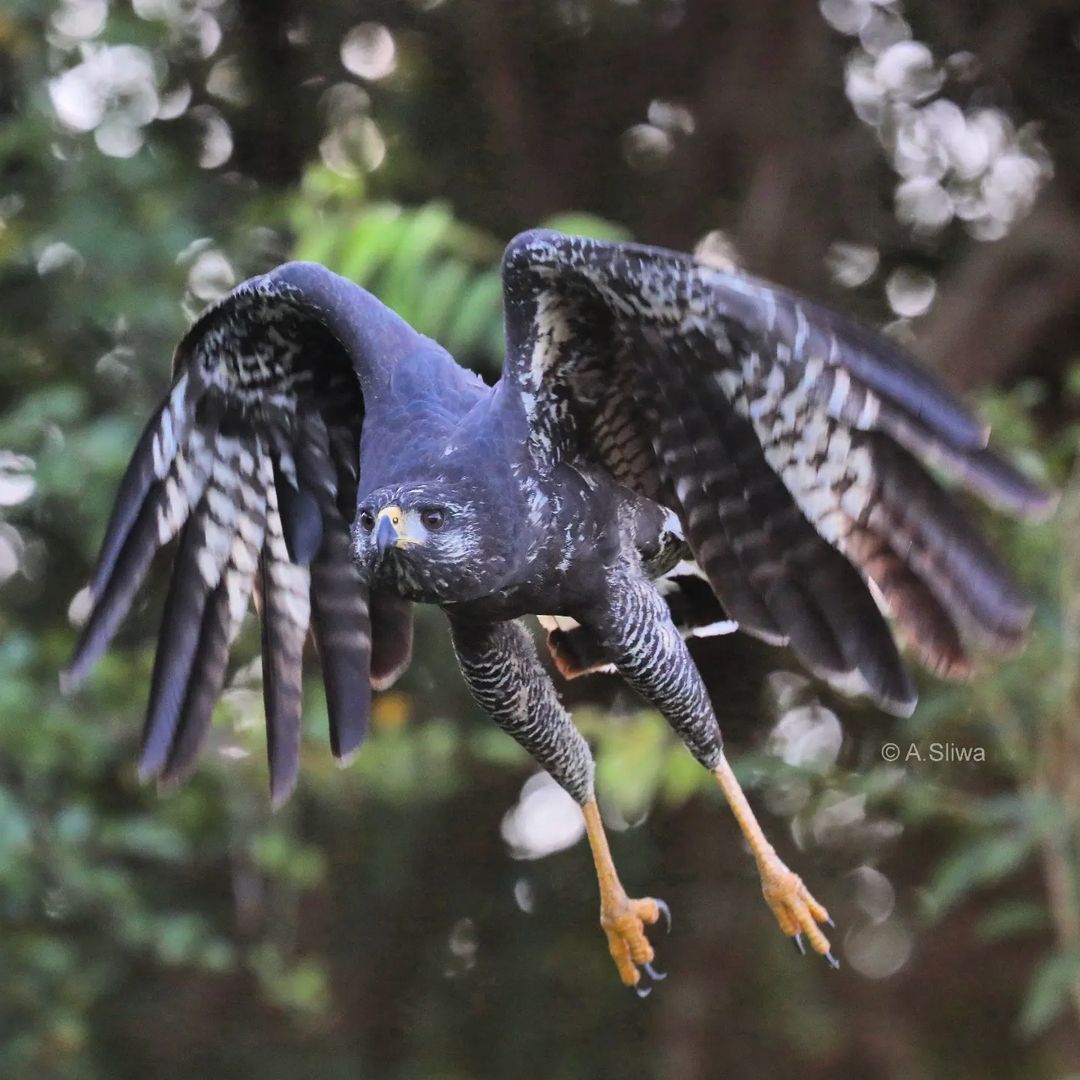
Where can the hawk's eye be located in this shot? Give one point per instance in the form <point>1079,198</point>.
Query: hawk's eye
<point>433,518</point>
<point>367,520</point>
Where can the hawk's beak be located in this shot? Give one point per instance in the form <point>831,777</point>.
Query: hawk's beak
<point>389,529</point>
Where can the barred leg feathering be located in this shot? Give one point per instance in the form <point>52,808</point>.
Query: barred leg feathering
<point>639,636</point>
<point>507,680</point>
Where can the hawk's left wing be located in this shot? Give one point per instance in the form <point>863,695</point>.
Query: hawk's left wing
<point>792,443</point>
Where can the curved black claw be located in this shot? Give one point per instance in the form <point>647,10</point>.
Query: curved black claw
<point>797,941</point>
<point>652,973</point>
<point>666,912</point>
<point>832,961</point>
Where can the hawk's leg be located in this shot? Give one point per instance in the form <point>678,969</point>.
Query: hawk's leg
<point>623,920</point>
<point>796,911</point>
<point>637,633</point>
<point>509,683</point>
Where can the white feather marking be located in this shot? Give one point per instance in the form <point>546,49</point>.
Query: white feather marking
<point>849,683</point>
<point>814,367</point>
<point>242,554</point>
<point>816,502</point>
<point>832,525</point>
<point>839,443</point>
<point>854,501</point>
<point>209,567</point>
<point>552,331</point>
<point>729,382</point>
<point>802,331</point>
<point>688,568</point>
<point>868,414</point>
<point>221,504</point>
<point>161,465</point>
<point>673,525</point>
<point>173,513</point>
<point>716,629</point>
<point>841,387</point>
<point>770,309</point>
<point>774,382</point>
<point>238,588</point>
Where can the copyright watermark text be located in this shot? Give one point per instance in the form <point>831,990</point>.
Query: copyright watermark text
<point>935,752</point>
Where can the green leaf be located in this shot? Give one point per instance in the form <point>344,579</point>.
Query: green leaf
<point>419,238</point>
<point>1012,918</point>
<point>21,427</point>
<point>437,303</point>
<point>1056,979</point>
<point>630,763</point>
<point>978,864</point>
<point>480,309</point>
<point>369,243</point>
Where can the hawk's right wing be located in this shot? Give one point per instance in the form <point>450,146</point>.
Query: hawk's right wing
<point>252,461</point>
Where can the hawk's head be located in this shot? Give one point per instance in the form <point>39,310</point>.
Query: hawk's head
<point>437,543</point>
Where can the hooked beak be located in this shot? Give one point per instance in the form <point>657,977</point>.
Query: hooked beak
<point>389,529</point>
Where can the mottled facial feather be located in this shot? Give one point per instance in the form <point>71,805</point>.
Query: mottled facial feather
<point>454,559</point>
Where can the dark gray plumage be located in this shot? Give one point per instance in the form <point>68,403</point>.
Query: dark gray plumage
<point>671,447</point>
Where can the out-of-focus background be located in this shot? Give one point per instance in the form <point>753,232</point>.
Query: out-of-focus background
<point>431,912</point>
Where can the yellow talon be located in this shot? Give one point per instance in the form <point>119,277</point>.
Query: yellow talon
<point>797,912</point>
<point>622,919</point>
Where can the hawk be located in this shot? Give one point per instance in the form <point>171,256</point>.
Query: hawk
<point>671,447</point>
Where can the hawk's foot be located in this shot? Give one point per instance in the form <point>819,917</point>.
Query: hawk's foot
<point>797,912</point>
<point>623,920</point>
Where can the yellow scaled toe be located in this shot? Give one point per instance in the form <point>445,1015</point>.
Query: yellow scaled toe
<point>797,912</point>
<point>623,920</point>
<point>624,924</point>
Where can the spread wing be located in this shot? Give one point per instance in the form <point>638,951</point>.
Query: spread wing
<point>793,444</point>
<point>252,463</point>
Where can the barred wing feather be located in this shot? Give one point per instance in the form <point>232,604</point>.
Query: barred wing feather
<point>251,465</point>
<point>793,443</point>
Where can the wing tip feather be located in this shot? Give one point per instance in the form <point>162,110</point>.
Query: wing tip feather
<point>1004,486</point>
<point>344,758</point>
<point>281,789</point>
<point>71,678</point>
<point>902,709</point>
<point>147,769</point>
<point>387,680</point>
<point>1039,504</point>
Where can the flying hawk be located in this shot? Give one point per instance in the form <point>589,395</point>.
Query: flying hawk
<point>659,423</point>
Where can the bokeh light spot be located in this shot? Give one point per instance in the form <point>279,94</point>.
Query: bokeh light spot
<point>369,51</point>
